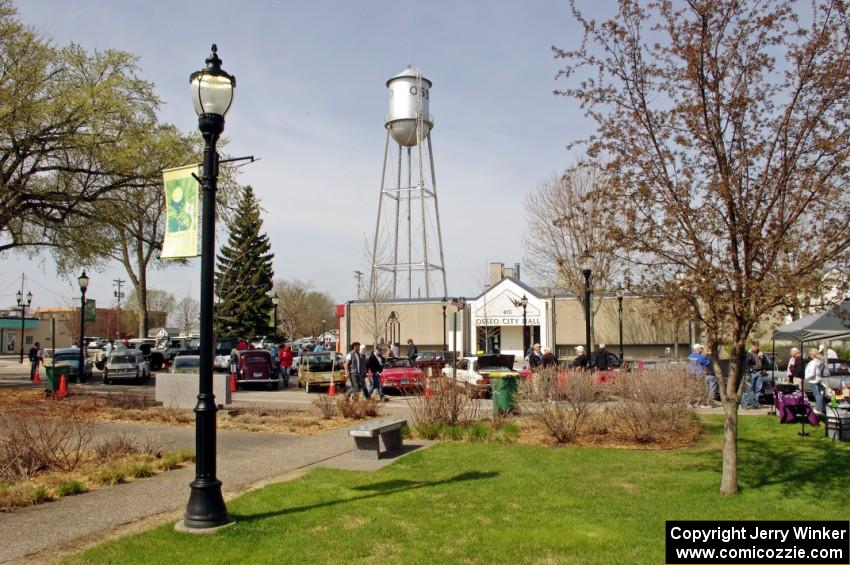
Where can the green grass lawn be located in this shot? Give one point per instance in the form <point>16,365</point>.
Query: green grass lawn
<point>485,503</point>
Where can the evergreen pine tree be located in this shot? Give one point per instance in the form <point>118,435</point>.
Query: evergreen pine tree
<point>244,275</point>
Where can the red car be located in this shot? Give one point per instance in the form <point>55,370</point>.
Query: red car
<point>400,375</point>
<point>255,366</point>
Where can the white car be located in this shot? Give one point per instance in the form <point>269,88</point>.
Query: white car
<point>474,372</point>
<point>126,364</point>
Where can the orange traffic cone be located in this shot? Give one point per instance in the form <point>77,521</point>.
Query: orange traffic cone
<point>332,388</point>
<point>427,387</point>
<point>63,387</point>
<point>233,385</point>
<point>35,378</point>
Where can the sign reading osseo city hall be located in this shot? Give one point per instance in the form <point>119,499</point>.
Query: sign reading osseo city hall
<point>501,311</point>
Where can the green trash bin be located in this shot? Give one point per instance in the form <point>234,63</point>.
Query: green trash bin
<point>504,388</point>
<point>54,375</point>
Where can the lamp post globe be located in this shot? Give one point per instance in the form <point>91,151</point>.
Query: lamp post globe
<point>275,302</point>
<point>212,96</point>
<point>84,285</point>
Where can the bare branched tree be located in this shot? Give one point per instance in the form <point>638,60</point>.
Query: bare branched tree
<point>187,314</point>
<point>563,221</point>
<point>724,129</point>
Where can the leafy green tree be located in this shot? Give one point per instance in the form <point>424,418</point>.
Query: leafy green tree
<point>244,274</point>
<point>63,132</point>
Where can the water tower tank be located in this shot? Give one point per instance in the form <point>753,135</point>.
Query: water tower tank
<point>408,95</point>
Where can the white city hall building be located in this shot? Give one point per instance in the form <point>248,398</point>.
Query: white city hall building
<point>493,321</point>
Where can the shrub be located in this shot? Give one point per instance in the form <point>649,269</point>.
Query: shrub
<point>48,436</point>
<point>654,404</point>
<point>448,403</point>
<point>479,432</point>
<point>429,430</point>
<point>39,495</point>
<point>110,476</point>
<point>140,470</point>
<point>358,408</point>
<point>70,487</point>
<point>560,401</point>
<point>508,432</point>
<point>326,405</point>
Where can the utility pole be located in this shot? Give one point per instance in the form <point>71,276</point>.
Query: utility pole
<point>118,296</point>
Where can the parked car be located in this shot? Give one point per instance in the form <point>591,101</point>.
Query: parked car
<point>223,347</point>
<point>474,372</point>
<point>400,375</point>
<point>126,364</point>
<point>428,359</point>
<point>319,369</point>
<point>170,348</point>
<point>186,364</point>
<point>255,366</point>
<point>156,359</point>
<point>69,357</point>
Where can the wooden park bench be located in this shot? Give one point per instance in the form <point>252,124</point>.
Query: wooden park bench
<point>368,437</point>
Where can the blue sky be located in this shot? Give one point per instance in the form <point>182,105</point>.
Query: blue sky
<point>311,101</point>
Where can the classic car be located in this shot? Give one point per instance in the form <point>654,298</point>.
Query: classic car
<point>474,373</point>
<point>126,364</point>
<point>255,366</point>
<point>400,375</point>
<point>319,368</point>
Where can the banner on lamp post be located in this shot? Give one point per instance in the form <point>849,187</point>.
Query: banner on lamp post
<point>181,210</point>
<point>91,310</point>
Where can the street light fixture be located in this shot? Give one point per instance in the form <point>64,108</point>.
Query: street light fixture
<point>275,301</point>
<point>84,284</point>
<point>621,293</point>
<point>323,334</point>
<point>23,305</point>
<point>212,94</point>
<point>523,303</point>
<point>444,302</point>
<point>585,263</point>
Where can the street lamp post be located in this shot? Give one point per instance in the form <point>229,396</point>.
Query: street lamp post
<point>212,94</point>
<point>444,303</point>
<point>23,305</point>
<point>621,293</point>
<point>84,284</point>
<point>523,303</point>
<point>323,335</point>
<point>275,301</point>
<point>585,263</point>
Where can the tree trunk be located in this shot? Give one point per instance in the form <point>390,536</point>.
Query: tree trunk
<point>729,476</point>
<point>142,306</point>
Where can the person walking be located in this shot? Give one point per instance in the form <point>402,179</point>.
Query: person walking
<point>34,356</point>
<point>698,367</point>
<point>285,358</point>
<point>581,361</point>
<point>795,371</point>
<point>412,351</point>
<point>355,370</point>
<point>375,365</point>
<point>535,358</point>
<point>756,370</point>
<point>600,360</point>
<point>394,350</point>
<point>815,372</point>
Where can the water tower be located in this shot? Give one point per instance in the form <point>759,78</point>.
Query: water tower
<point>407,258</point>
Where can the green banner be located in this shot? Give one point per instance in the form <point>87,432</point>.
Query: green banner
<point>181,206</point>
<point>91,310</point>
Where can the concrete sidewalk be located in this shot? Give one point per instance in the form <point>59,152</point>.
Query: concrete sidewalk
<point>246,460</point>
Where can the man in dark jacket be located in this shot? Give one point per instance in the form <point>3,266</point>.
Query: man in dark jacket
<point>581,361</point>
<point>600,358</point>
<point>355,369</point>
<point>756,371</point>
<point>375,365</point>
<point>549,361</point>
<point>34,357</point>
<point>412,351</point>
